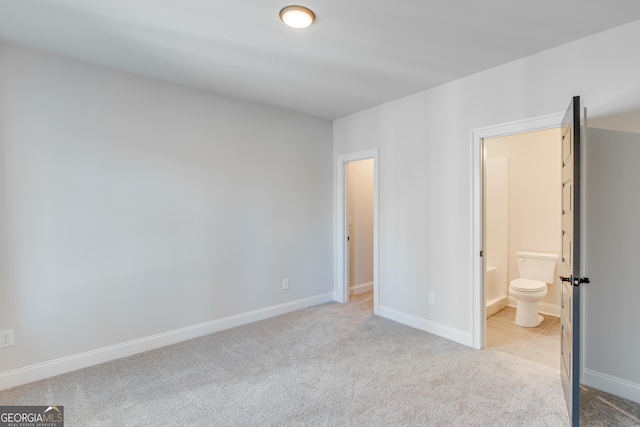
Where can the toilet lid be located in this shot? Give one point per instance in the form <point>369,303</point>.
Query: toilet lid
<point>528,285</point>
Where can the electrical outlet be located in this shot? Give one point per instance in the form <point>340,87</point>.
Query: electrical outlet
<point>6,338</point>
<point>432,298</point>
<point>285,284</point>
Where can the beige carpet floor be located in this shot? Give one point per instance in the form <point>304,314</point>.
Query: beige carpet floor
<point>330,365</point>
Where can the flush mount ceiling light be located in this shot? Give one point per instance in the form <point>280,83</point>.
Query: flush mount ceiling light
<point>297,16</point>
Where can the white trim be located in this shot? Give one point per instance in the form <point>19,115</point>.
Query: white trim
<point>478,305</point>
<point>341,277</point>
<point>457,335</point>
<point>610,384</point>
<point>361,288</point>
<point>93,357</point>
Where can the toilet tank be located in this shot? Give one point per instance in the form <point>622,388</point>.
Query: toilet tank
<point>537,266</point>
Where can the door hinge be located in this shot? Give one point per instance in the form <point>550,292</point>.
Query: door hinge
<point>481,253</point>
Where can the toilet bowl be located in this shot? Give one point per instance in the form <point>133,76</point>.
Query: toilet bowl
<point>528,292</point>
<point>536,270</point>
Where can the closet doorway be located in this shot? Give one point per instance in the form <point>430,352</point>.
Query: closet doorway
<point>356,268</point>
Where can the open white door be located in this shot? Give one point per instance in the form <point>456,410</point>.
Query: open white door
<point>570,266</point>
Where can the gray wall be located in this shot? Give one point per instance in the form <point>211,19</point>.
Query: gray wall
<point>426,153</point>
<point>132,207</point>
<point>612,233</point>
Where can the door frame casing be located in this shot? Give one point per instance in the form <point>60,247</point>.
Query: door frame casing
<point>478,304</point>
<point>341,273</point>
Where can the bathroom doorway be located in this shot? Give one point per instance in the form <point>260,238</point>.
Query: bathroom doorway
<point>522,212</point>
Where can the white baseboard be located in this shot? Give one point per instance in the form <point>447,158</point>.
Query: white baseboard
<point>543,307</point>
<point>610,384</point>
<point>361,288</point>
<point>62,365</point>
<point>426,325</point>
<point>495,305</point>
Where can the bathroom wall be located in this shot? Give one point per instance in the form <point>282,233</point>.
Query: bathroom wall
<point>497,223</point>
<point>360,206</point>
<point>534,199</point>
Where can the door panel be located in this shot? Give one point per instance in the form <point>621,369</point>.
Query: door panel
<point>570,269</point>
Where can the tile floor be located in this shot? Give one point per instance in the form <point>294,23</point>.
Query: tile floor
<point>540,344</point>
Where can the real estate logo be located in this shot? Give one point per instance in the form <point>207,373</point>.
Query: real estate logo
<point>31,416</point>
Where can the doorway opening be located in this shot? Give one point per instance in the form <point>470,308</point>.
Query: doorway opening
<point>479,264</point>
<point>522,217</point>
<point>345,228</point>
<point>359,176</point>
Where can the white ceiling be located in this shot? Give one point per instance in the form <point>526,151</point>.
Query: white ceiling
<point>358,54</point>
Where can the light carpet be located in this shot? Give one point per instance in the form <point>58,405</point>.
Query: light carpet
<point>329,365</point>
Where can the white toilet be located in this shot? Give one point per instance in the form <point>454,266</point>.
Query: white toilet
<point>536,270</point>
